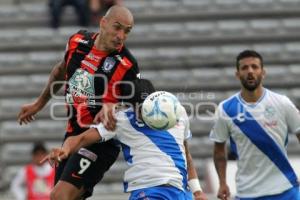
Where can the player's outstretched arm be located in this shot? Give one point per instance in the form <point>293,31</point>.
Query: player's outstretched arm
<point>106,116</point>
<point>71,145</point>
<point>193,180</point>
<point>74,143</point>
<point>220,160</point>
<point>28,111</point>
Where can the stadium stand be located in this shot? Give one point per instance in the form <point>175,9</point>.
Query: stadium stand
<point>185,46</point>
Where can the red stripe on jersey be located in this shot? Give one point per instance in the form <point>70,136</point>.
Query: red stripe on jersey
<point>73,44</point>
<point>113,89</point>
<point>92,60</point>
<point>69,127</point>
<point>84,118</point>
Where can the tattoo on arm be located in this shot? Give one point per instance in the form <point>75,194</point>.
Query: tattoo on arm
<point>57,74</point>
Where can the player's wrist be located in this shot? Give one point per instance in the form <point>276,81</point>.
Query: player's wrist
<point>39,104</point>
<point>194,185</point>
<point>223,183</point>
<point>197,193</point>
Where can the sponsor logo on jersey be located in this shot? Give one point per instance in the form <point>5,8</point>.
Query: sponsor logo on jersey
<point>94,57</point>
<point>90,65</point>
<point>241,117</point>
<point>81,87</point>
<point>76,176</point>
<point>79,40</point>
<point>78,51</point>
<point>270,124</point>
<point>88,154</point>
<point>140,123</point>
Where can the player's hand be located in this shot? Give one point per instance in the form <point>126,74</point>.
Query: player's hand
<point>106,116</point>
<point>26,115</point>
<point>198,195</point>
<point>224,192</point>
<point>55,156</point>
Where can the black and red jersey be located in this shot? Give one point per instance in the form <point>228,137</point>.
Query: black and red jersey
<point>93,78</point>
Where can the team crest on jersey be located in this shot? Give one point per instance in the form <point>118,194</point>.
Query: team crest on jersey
<point>108,64</point>
<point>269,112</point>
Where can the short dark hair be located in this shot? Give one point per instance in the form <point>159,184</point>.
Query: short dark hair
<point>137,92</point>
<point>247,54</point>
<point>38,147</point>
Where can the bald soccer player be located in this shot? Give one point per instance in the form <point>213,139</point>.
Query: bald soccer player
<point>93,66</point>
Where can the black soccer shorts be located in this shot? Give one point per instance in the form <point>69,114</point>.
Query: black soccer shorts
<point>86,167</point>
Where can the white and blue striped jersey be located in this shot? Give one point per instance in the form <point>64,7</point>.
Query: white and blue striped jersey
<point>154,157</point>
<point>258,134</point>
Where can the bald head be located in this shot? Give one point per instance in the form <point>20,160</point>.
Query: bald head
<point>122,12</point>
<point>114,28</point>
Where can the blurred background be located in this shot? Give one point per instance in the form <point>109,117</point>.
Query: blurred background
<point>187,47</point>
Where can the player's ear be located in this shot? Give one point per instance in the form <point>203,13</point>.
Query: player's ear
<point>102,22</point>
<point>237,75</point>
<point>263,73</point>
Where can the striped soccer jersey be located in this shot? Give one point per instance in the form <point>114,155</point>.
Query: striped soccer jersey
<point>92,78</point>
<point>154,157</point>
<point>259,134</point>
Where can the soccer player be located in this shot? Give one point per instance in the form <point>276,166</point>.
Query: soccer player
<point>160,165</point>
<point>257,121</point>
<point>92,68</point>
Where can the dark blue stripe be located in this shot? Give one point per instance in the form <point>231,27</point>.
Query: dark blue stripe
<point>126,153</point>
<point>286,140</point>
<point>233,148</point>
<point>125,186</point>
<point>166,143</point>
<point>252,129</point>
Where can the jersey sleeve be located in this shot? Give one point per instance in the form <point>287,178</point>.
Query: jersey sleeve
<point>72,45</point>
<point>187,131</point>
<point>292,117</point>
<point>220,131</point>
<point>106,134</point>
<point>184,118</point>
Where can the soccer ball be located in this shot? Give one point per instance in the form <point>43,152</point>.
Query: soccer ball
<point>159,110</point>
